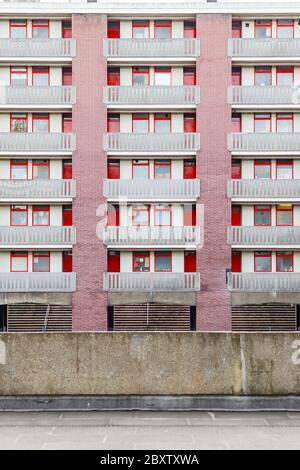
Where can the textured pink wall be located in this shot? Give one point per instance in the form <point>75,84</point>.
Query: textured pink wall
<point>214,163</point>
<point>89,170</point>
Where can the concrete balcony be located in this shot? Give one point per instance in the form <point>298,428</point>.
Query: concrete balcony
<point>151,48</point>
<point>37,237</point>
<point>264,282</point>
<point>158,282</point>
<point>37,282</point>
<point>115,143</point>
<point>31,143</point>
<point>249,237</point>
<point>245,48</point>
<point>148,236</point>
<point>37,97</point>
<point>273,142</point>
<point>21,50</point>
<point>256,189</point>
<point>151,190</point>
<point>151,96</point>
<point>264,96</point>
<point>37,190</point>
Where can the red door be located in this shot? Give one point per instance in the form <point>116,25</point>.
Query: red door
<point>236,262</point>
<point>236,29</point>
<point>113,216</point>
<point>113,76</point>
<point>113,262</point>
<point>113,29</point>
<point>66,29</point>
<point>67,262</point>
<point>67,169</point>
<point>189,76</point>
<point>236,216</point>
<point>236,169</point>
<point>113,123</point>
<point>67,216</point>
<point>189,29</point>
<point>67,122</point>
<point>236,122</point>
<point>190,262</point>
<point>236,76</point>
<point>189,123</point>
<point>189,169</point>
<point>113,169</point>
<point>189,215</point>
<point>67,76</point>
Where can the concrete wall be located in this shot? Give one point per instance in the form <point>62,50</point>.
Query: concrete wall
<point>145,364</point>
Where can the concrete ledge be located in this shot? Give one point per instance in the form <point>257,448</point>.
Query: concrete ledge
<point>149,402</point>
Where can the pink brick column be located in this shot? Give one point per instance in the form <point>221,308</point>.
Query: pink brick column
<point>89,170</point>
<point>214,168</point>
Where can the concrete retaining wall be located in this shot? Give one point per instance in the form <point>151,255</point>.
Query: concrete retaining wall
<point>149,364</point>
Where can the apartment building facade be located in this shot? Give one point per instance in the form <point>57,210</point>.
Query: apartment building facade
<point>150,166</point>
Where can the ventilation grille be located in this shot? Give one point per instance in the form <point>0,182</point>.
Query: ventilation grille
<point>264,318</point>
<point>31,318</point>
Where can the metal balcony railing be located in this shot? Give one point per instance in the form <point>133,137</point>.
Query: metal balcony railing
<point>151,282</point>
<point>152,47</point>
<point>263,236</point>
<point>36,142</point>
<point>264,47</point>
<point>33,47</point>
<point>151,235</point>
<point>173,142</point>
<point>152,95</point>
<point>37,236</point>
<point>40,189</point>
<point>37,95</point>
<point>264,282</point>
<point>37,282</point>
<point>263,188</point>
<point>264,95</point>
<point>268,142</point>
<point>139,189</point>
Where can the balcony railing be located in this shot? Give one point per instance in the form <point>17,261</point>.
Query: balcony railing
<point>139,189</point>
<point>37,282</point>
<point>152,95</point>
<point>151,48</point>
<point>37,189</point>
<point>151,282</point>
<point>34,47</point>
<point>37,95</point>
<point>268,142</point>
<point>37,236</point>
<point>263,236</point>
<point>173,142</point>
<point>151,235</point>
<point>264,47</point>
<point>264,282</point>
<point>263,188</point>
<point>35,142</point>
<point>263,95</point>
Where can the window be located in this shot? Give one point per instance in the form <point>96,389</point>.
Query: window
<point>40,122</point>
<point>40,76</point>
<point>41,169</point>
<point>113,29</point>
<point>141,216</point>
<point>263,75</point>
<point>66,29</point>
<point>236,169</point>
<point>162,123</point>
<point>163,261</point>
<point>18,76</point>
<point>140,76</point>
<point>113,123</point>
<point>67,169</point>
<point>18,262</point>
<point>41,262</point>
<point>237,29</point>
<point>263,28</point>
<point>141,262</point>
<point>284,261</point>
<point>262,261</point>
<point>262,215</point>
<point>236,122</point>
<point>189,29</point>
<point>140,29</point>
<point>18,29</point>
<point>67,76</point>
<point>285,28</point>
<point>40,29</point>
<point>113,76</point>
<point>18,169</point>
<point>262,169</point>
<point>18,215</point>
<point>40,215</point>
<point>18,122</point>
<point>236,76</point>
<point>284,75</point>
<point>162,169</point>
<point>140,123</point>
<point>284,122</point>
<point>163,29</point>
<point>113,169</point>
<point>140,169</point>
<point>189,76</point>
<point>67,122</point>
<point>189,169</point>
<point>284,214</point>
<point>262,123</point>
<point>189,123</point>
<point>162,76</point>
<point>163,215</point>
<point>284,169</point>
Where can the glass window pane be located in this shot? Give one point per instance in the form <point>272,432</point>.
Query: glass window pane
<point>140,216</point>
<point>284,262</point>
<point>41,263</point>
<point>262,215</point>
<point>140,125</point>
<point>41,170</point>
<point>263,76</point>
<point>162,169</point>
<point>163,76</point>
<point>140,169</point>
<point>163,263</point>
<point>140,29</point>
<point>263,263</point>
<point>19,172</point>
<point>262,170</point>
<point>40,124</point>
<point>284,123</point>
<point>284,217</point>
<point>19,215</point>
<point>19,262</point>
<point>141,262</point>
<point>40,216</point>
<point>162,215</point>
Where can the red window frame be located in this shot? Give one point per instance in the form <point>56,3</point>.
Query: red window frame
<point>236,75</point>
<point>189,76</point>
<point>66,28</point>
<point>18,254</point>
<point>40,163</point>
<point>113,123</point>
<point>236,29</point>
<point>162,162</point>
<point>21,162</point>
<point>135,71</point>
<point>41,254</point>
<point>284,254</point>
<point>236,169</point>
<point>163,254</point>
<point>285,25</point>
<point>18,208</point>
<point>113,169</point>
<point>136,209</point>
<point>67,76</point>
<point>162,24</point>
<point>258,117</point>
<point>39,24</point>
<point>46,72</point>
<point>12,72</point>
<point>40,117</point>
<point>162,117</point>
<point>163,208</point>
<point>258,69</point>
<point>284,208</point>
<point>41,208</point>
<point>284,163</point>
<point>262,254</point>
<point>17,117</point>
<point>113,29</point>
<point>163,70</point>
<point>189,29</point>
<point>144,254</point>
<point>266,208</point>
<point>113,76</point>
<point>262,163</point>
<point>136,163</point>
<point>280,118</point>
<point>137,117</point>
<point>266,23</point>
<point>141,23</point>
<point>18,25</point>
<point>282,69</point>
